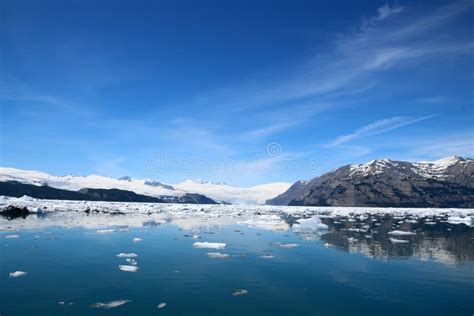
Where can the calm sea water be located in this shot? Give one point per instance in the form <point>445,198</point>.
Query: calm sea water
<point>340,272</point>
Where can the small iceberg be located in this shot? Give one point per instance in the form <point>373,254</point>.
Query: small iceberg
<point>240,292</point>
<point>217,255</point>
<point>399,241</point>
<point>309,225</point>
<point>161,305</point>
<point>401,233</point>
<point>109,305</point>
<point>136,239</point>
<point>288,246</point>
<point>105,231</point>
<point>127,268</point>
<point>12,236</point>
<point>127,255</point>
<point>468,220</point>
<point>209,245</point>
<point>17,274</point>
<point>131,261</point>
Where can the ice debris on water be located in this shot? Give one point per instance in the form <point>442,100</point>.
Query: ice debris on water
<point>217,255</point>
<point>131,261</point>
<point>161,305</point>
<point>209,245</point>
<point>240,292</point>
<point>401,233</point>
<point>128,268</point>
<point>127,255</point>
<point>105,231</point>
<point>111,304</point>
<point>288,246</point>
<point>136,239</point>
<point>309,225</point>
<point>17,274</point>
<point>399,241</point>
<point>12,236</point>
<point>468,220</point>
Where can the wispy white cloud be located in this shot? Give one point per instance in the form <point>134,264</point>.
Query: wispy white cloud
<point>383,13</point>
<point>350,63</point>
<point>378,127</point>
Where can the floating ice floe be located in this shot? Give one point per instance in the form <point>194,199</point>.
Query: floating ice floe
<point>136,239</point>
<point>468,220</point>
<point>217,255</point>
<point>131,261</point>
<point>127,268</point>
<point>17,274</point>
<point>12,236</point>
<point>240,292</point>
<point>111,304</point>
<point>105,231</point>
<point>286,245</point>
<point>209,245</point>
<point>127,255</point>
<point>161,305</point>
<point>399,241</point>
<point>309,225</point>
<point>267,256</point>
<point>401,233</point>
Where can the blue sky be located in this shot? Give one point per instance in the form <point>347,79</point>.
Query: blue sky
<point>245,92</point>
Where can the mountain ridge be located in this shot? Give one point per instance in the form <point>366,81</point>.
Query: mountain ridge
<point>216,191</point>
<point>388,183</point>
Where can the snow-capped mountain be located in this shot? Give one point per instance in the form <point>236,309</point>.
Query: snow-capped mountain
<point>220,192</point>
<point>442,183</point>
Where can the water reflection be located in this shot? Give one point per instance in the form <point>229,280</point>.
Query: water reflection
<point>400,234</point>
<point>379,237</point>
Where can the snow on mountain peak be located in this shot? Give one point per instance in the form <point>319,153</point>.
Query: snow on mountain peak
<point>220,191</point>
<point>445,162</point>
<point>375,166</point>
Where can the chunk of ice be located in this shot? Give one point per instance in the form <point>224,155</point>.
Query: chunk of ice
<point>217,255</point>
<point>105,231</point>
<point>399,241</point>
<point>136,239</point>
<point>240,292</point>
<point>468,220</point>
<point>161,305</point>
<point>127,268</point>
<point>127,255</point>
<point>17,274</point>
<point>209,245</point>
<point>309,224</point>
<point>288,246</point>
<point>12,236</point>
<point>401,233</point>
<point>111,304</point>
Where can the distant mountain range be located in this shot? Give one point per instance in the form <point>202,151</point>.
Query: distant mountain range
<point>18,189</point>
<point>108,189</point>
<point>387,183</point>
<point>379,183</point>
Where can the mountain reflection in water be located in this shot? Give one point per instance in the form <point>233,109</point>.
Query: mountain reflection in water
<point>375,234</point>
